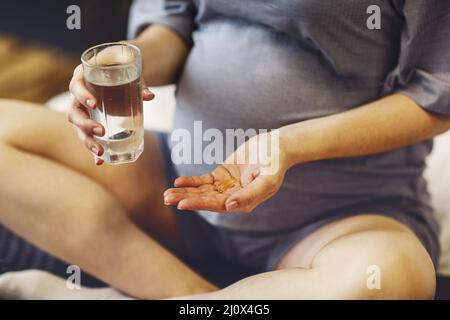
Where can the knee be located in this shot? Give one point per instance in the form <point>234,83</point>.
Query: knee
<point>376,264</point>
<point>15,115</point>
<point>402,270</point>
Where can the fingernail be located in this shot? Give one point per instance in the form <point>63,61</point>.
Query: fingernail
<point>146,91</point>
<point>180,207</point>
<point>90,103</point>
<point>95,150</point>
<point>232,205</point>
<point>98,131</point>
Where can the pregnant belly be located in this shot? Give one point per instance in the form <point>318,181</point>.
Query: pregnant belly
<point>249,76</point>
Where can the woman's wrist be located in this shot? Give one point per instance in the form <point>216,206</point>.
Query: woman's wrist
<point>299,144</point>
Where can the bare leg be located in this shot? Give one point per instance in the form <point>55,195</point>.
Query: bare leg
<point>138,186</point>
<point>54,196</point>
<point>333,263</point>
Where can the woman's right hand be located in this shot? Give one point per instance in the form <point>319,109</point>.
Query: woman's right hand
<point>79,113</point>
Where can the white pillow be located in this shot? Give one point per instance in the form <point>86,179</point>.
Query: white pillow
<point>438,176</point>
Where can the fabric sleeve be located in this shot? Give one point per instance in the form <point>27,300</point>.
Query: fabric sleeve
<point>423,71</point>
<point>175,14</point>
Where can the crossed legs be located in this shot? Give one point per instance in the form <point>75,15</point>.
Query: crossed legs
<point>53,195</point>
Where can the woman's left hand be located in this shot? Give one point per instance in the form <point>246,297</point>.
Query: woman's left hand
<point>240,184</point>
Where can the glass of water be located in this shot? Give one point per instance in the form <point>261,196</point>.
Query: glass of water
<point>112,73</point>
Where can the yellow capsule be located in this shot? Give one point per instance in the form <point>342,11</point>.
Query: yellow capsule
<point>225,185</point>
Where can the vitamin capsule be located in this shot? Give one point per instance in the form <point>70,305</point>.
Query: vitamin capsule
<point>225,185</point>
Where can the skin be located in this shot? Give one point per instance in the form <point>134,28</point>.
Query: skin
<point>113,220</point>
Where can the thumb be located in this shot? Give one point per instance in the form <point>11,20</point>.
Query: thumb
<point>147,95</point>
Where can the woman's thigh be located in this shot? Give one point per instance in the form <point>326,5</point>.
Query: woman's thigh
<point>303,253</point>
<point>138,186</point>
<point>357,247</point>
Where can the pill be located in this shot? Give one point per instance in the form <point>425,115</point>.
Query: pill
<point>225,185</point>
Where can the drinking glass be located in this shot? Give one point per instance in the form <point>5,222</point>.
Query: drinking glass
<point>112,73</point>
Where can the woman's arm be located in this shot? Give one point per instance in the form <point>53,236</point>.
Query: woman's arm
<point>389,123</point>
<point>386,124</point>
<point>163,53</point>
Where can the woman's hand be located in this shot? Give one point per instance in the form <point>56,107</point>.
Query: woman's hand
<point>239,184</point>
<point>83,101</point>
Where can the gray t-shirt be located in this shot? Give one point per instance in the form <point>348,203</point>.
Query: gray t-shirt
<point>266,64</point>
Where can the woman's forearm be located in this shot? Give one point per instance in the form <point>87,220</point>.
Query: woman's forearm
<point>386,124</point>
<point>163,53</point>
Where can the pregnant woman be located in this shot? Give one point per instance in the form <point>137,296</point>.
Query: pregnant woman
<point>346,214</point>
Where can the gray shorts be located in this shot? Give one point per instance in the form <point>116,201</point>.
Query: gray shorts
<point>207,247</point>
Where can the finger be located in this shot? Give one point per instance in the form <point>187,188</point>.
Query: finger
<point>95,147</point>
<point>90,143</point>
<point>188,190</point>
<point>98,161</point>
<point>251,195</point>
<point>78,117</point>
<point>78,88</point>
<point>256,173</point>
<point>248,175</point>
<point>174,195</point>
<point>191,190</point>
<point>79,107</point>
<point>147,95</point>
<point>194,181</point>
<point>210,203</point>
<point>175,198</point>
